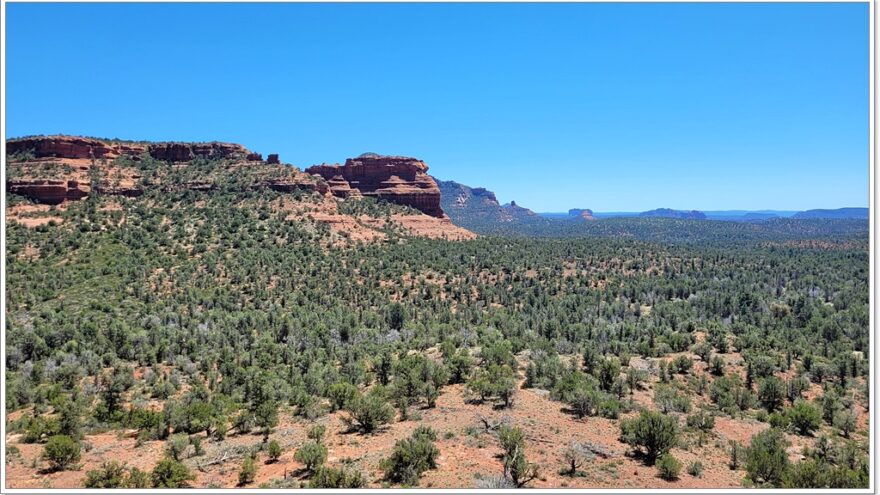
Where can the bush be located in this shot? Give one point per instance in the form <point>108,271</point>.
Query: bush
<point>766,459</point>
<point>681,365</point>
<point>695,469</point>
<point>668,467</point>
<point>248,471</point>
<point>61,451</point>
<point>177,445</point>
<point>701,421</point>
<point>326,477</point>
<point>804,417</point>
<point>274,451</point>
<point>806,474</point>
<point>368,412</point>
<point>110,475</point>
<point>169,473</point>
<point>575,455</point>
<point>652,432</point>
<point>316,432</point>
<point>668,399</point>
<point>736,455</point>
<point>845,421</point>
<point>411,457</point>
<point>517,469</point>
<point>498,381</point>
<point>340,394</point>
<point>312,454</point>
<point>771,394</point>
<point>38,427</point>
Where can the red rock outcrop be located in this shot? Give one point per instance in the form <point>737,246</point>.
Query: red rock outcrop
<point>398,179</point>
<point>82,148</point>
<point>72,158</point>
<point>49,191</point>
<point>273,159</point>
<point>67,147</point>
<point>184,152</point>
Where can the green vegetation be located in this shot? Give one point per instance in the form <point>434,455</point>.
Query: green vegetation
<point>517,469</point>
<point>411,457</point>
<point>668,467</point>
<point>652,433</point>
<point>234,319</point>
<point>61,451</point>
<point>169,473</point>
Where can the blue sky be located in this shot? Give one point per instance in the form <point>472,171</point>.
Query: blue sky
<point>603,106</point>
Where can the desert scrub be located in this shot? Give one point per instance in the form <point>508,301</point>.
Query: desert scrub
<point>668,467</point>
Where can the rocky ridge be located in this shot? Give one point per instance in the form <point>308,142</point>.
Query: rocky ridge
<point>54,170</point>
<point>398,179</point>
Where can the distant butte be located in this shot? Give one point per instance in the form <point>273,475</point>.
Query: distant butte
<point>398,179</point>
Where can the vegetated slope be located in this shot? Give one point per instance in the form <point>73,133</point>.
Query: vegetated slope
<point>183,331</point>
<point>57,170</point>
<point>669,213</point>
<point>859,213</point>
<point>477,209</point>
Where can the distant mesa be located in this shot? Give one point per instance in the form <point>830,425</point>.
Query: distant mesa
<point>584,213</point>
<point>75,158</point>
<point>670,213</point>
<point>398,179</point>
<point>840,213</point>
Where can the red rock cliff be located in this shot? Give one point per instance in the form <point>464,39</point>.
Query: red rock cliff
<point>54,169</point>
<point>398,179</point>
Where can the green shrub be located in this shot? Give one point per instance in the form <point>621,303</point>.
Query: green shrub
<point>681,364</point>
<point>411,457</point>
<point>327,477</point>
<point>701,421</point>
<point>169,473</point>
<point>368,412</point>
<point>668,467</point>
<point>39,427</point>
<point>845,421</point>
<point>61,451</point>
<point>804,417</point>
<point>274,451</point>
<point>312,455</point>
<point>316,432</point>
<point>695,469</point>
<point>177,445</point>
<point>652,433</point>
<point>340,394</point>
<point>806,474</point>
<point>248,472</point>
<point>110,475</point>
<point>771,394</point>
<point>736,455</point>
<point>766,458</point>
<point>517,469</point>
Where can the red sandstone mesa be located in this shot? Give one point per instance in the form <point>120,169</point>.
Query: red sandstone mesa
<point>76,156</point>
<point>398,179</point>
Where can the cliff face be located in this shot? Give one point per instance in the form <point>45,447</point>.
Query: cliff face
<point>397,179</point>
<point>54,169</point>
<point>81,148</point>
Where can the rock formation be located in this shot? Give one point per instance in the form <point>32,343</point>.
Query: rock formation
<point>585,213</point>
<point>398,179</point>
<point>49,191</point>
<point>54,169</point>
<point>670,213</point>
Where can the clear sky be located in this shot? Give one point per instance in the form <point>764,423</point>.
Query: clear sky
<point>614,107</point>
